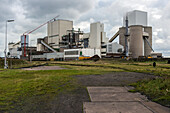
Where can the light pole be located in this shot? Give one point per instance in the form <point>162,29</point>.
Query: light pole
<point>5,62</point>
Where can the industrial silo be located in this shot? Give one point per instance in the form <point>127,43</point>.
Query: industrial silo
<point>136,41</point>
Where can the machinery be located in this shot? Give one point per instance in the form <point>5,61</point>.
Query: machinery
<point>72,39</point>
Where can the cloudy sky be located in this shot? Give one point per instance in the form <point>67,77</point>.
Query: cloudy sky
<point>29,14</point>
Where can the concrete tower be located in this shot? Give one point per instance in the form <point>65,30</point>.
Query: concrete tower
<point>56,29</point>
<point>136,41</point>
<point>96,30</point>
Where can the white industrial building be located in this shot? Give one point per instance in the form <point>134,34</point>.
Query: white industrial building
<point>97,35</point>
<point>136,17</point>
<point>48,56</point>
<point>59,30</point>
<point>56,29</point>
<point>13,50</point>
<point>76,54</point>
<point>114,48</point>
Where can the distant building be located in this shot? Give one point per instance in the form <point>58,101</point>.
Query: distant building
<point>61,35</point>
<point>139,38</point>
<point>136,18</point>
<point>98,39</point>
<point>14,51</point>
<point>114,48</point>
<point>56,29</point>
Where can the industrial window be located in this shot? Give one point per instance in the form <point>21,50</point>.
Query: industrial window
<point>71,52</point>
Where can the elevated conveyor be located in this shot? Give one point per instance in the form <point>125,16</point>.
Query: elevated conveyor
<point>114,37</point>
<point>46,45</point>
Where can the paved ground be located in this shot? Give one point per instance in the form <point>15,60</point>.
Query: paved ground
<point>119,100</point>
<point>44,68</point>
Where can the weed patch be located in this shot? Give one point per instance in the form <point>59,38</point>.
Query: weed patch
<point>157,90</point>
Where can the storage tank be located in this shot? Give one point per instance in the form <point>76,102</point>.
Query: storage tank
<point>147,49</point>
<point>24,40</point>
<point>136,41</point>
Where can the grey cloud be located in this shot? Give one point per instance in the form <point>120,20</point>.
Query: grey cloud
<point>5,9</point>
<point>38,9</point>
<point>159,4</point>
<point>111,14</point>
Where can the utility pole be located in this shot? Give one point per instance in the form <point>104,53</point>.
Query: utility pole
<point>126,37</point>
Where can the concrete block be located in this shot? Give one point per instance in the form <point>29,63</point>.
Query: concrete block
<point>115,107</point>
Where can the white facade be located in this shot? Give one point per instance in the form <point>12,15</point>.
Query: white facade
<point>13,50</point>
<point>49,56</point>
<point>71,54</point>
<point>58,27</point>
<point>97,35</point>
<point>114,48</point>
<point>136,18</point>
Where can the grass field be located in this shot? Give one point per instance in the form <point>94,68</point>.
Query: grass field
<point>157,90</point>
<point>17,86</point>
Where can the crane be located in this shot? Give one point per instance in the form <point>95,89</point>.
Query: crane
<point>25,34</point>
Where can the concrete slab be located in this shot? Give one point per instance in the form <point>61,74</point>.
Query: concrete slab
<point>119,100</point>
<point>111,96</point>
<point>115,107</point>
<point>106,89</point>
<point>157,107</point>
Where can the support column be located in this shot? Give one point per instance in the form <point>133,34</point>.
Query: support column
<point>147,49</point>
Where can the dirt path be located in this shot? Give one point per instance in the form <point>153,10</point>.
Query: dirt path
<point>44,68</point>
<point>112,79</point>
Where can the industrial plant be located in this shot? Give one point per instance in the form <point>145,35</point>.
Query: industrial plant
<point>63,42</point>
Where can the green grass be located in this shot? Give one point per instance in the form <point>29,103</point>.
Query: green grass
<point>12,62</point>
<point>157,90</point>
<point>142,67</point>
<point>18,63</point>
<point>18,86</point>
